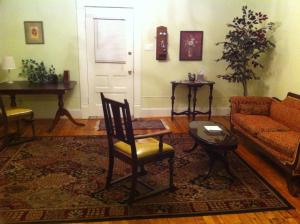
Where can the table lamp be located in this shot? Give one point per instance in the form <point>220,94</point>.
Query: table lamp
<point>8,63</point>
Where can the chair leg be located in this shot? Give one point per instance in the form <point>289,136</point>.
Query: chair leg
<point>18,128</point>
<point>133,184</point>
<point>142,170</point>
<point>171,170</point>
<point>109,171</point>
<point>32,126</point>
<point>293,185</point>
<point>5,138</point>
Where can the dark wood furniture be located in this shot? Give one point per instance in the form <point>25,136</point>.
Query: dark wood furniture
<point>134,150</point>
<point>216,145</point>
<point>15,114</point>
<point>192,86</point>
<point>25,87</point>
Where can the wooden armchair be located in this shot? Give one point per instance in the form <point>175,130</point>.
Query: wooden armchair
<point>131,149</point>
<point>14,114</point>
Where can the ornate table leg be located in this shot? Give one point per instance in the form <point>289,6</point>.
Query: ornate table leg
<point>61,111</point>
<point>194,101</point>
<point>173,99</point>
<point>210,100</point>
<point>191,149</point>
<point>13,100</point>
<point>189,101</point>
<point>200,178</point>
<point>215,156</point>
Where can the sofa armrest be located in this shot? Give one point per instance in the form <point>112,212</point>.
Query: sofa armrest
<point>237,101</point>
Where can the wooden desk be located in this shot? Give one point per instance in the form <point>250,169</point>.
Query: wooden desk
<point>25,87</point>
<point>192,86</point>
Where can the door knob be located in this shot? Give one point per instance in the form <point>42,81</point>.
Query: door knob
<point>130,72</point>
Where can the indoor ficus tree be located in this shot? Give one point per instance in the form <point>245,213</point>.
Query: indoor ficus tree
<point>246,40</point>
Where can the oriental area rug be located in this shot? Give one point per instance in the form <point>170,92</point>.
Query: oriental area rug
<point>138,124</point>
<point>60,179</point>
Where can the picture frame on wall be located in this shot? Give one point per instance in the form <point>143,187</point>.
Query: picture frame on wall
<point>34,33</point>
<point>191,44</point>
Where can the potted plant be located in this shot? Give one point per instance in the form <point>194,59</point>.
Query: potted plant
<point>36,72</point>
<point>246,41</point>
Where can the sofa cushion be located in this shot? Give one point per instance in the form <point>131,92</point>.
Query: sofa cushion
<point>285,142</point>
<point>255,109</point>
<point>257,123</point>
<point>286,115</point>
<point>292,102</point>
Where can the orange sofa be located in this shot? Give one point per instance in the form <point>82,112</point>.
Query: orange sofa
<point>274,128</point>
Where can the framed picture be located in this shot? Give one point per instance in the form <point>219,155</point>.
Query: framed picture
<point>34,33</point>
<point>191,43</point>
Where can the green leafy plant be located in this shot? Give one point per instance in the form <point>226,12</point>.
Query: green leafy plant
<point>245,42</point>
<point>36,72</point>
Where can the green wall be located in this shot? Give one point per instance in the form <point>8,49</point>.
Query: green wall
<point>279,75</point>
<point>211,16</point>
<point>284,68</point>
<point>60,48</point>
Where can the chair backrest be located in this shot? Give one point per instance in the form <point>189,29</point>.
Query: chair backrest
<point>118,123</point>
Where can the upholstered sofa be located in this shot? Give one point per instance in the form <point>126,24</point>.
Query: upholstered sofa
<point>274,128</point>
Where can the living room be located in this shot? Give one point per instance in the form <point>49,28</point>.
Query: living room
<point>66,41</point>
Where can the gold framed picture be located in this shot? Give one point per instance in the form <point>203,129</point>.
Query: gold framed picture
<point>34,33</point>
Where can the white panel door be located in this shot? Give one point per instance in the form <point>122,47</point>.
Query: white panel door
<point>109,37</point>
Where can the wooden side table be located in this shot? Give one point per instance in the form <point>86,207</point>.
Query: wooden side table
<point>192,86</point>
<point>25,87</point>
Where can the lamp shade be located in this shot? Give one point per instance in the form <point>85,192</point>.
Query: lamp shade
<point>8,63</point>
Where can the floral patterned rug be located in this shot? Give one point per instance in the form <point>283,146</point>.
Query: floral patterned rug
<point>139,124</point>
<point>62,179</point>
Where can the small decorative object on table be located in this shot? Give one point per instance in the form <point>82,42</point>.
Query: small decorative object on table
<point>36,72</point>
<point>191,77</point>
<point>66,77</point>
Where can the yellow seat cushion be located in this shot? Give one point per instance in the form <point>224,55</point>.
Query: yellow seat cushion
<point>17,111</point>
<point>144,147</point>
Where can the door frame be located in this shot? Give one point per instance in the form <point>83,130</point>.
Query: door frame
<point>82,51</point>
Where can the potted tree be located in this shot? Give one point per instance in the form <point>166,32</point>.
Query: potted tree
<point>246,41</point>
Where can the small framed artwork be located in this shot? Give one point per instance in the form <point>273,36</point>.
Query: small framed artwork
<point>34,33</point>
<point>191,43</point>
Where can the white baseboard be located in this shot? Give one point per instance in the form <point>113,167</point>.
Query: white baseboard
<point>157,112</point>
<point>149,112</point>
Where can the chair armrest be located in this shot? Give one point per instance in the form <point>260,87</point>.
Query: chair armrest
<point>159,134</point>
<point>155,134</point>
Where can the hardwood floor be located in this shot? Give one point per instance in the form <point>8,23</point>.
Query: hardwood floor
<point>180,125</point>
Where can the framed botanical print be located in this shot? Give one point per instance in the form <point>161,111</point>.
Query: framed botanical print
<point>191,43</point>
<point>34,33</point>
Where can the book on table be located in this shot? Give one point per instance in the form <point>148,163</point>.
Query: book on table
<point>213,129</point>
